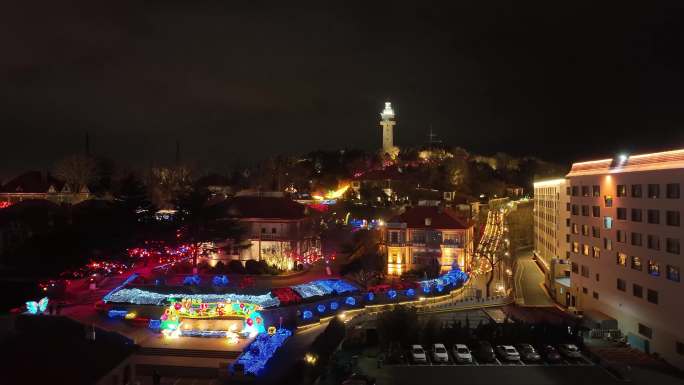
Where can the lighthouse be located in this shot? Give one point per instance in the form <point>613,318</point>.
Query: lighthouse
<point>387,123</point>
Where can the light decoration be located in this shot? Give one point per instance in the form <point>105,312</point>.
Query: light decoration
<point>192,280</point>
<point>117,314</point>
<point>33,307</point>
<point>130,315</point>
<point>323,287</point>
<point>196,309</point>
<point>154,324</point>
<point>4,205</point>
<point>392,294</point>
<point>320,308</point>
<point>370,296</point>
<point>410,292</point>
<point>254,358</point>
<point>307,314</point>
<point>453,278</point>
<point>271,330</point>
<point>144,297</point>
<point>351,301</point>
<point>125,283</point>
<point>220,280</point>
<point>334,305</point>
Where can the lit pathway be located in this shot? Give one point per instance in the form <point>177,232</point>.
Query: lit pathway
<point>529,283</point>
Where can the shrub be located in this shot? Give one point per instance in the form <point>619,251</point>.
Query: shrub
<point>236,267</point>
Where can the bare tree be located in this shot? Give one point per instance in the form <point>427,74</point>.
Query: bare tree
<point>76,170</point>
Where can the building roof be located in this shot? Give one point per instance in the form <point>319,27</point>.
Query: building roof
<point>628,163</point>
<point>32,182</point>
<point>54,350</point>
<point>440,218</point>
<point>262,208</point>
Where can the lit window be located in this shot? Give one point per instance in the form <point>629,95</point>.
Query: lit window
<point>653,268</point>
<point>622,259</point>
<point>608,222</point>
<point>636,264</point>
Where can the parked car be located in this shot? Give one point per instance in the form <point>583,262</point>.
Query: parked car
<point>527,353</point>
<point>570,351</point>
<point>359,379</point>
<point>484,352</point>
<point>551,354</point>
<point>418,354</point>
<point>439,353</point>
<point>507,353</point>
<point>462,353</point>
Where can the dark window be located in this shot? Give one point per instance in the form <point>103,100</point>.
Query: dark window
<point>567,190</point>
<point>652,296</point>
<point>567,222</point>
<point>636,215</point>
<point>394,237</point>
<point>595,232</point>
<point>622,213</point>
<point>672,245</point>
<point>263,230</point>
<point>585,271</point>
<point>621,284</point>
<point>636,191</point>
<point>596,190</point>
<point>598,277</point>
<point>575,268</point>
<point>595,295</point>
<point>653,268</point>
<point>654,191</point>
<point>273,230</point>
<point>567,206</point>
<point>645,331</point>
<point>679,347</point>
<point>672,191</point>
<point>607,243</point>
<point>595,211</point>
<point>567,238</point>
<point>672,218</point>
<point>585,210</point>
<point>637,291</point>
<point>621,236</point>
<point>636,239</point>
<point>653,216</point>
<point>636,264</point>
<point>575,191</point>
<point>621,190</point>
<point>673,273</point>
<point>585,191</point>
<point>584,290</point>
<point>574,210</point>
<point>653,242</point>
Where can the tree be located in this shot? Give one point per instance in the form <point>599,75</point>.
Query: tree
<point>399,324</point>
<point>203,226</point>
<point>76,170</point>
<point>132,194</point>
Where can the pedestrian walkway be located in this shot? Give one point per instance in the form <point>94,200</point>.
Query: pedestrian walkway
<point>529,283</point>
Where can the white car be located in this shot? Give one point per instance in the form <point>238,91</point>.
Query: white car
<point>439,353</point>
<point>418,354</point>
<point>508,353</point>
<point>462,353</point>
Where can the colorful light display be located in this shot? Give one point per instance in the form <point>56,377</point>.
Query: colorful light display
<point>320,308</point>
<point>33,307</point>
<point>117,314</point>
<point>370,296</point>
<point>307,314</point>
<point>351,301</point>
<point>392,294</point>
<point>410,292</point>
<point>220,280</point>
<point>143,297</point>
<point>334,305</point>
<point>192,280</point>
<point>254,358</point>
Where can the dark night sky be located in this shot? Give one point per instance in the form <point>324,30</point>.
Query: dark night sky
<point>241,80</point>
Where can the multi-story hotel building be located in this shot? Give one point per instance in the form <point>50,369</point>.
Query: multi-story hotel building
<point>428,236</point>
<point>626,234</point>
<point>550,235</point>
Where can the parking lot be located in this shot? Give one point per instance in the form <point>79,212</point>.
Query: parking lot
<point>498,361</point>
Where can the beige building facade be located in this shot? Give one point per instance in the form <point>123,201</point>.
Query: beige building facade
<point>625,237</point>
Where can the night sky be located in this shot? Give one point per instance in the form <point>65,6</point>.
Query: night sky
<point>237,81</point>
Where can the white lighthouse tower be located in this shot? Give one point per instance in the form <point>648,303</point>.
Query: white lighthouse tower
<point>387,124</point>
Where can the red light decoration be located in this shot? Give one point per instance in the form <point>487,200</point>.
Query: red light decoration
<point>4,205</point>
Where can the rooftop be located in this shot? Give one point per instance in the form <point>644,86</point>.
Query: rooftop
<point>629,163</point>
<point>439,218</point>
<point>262,207</point>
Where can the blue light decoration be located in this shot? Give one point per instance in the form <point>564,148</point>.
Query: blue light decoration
<point>254,324</point>
<point>307,314</point>
<point>392,294</point>
<point>192,280</point>
<point>154,324</point>
<point>454,278</point>
<point>351,301</point>
<point>426,289</point>
<point>323,287</point>
<point>370,296</point>
<point>320,308</point>
<point>254,358</point>
<point>204,333</point>
<point>144,297</point>
<point>410,293</point>
<point>220,280</point>
<point>125,283</point>
<point>440,288</point>
<point>33,307</point>
<point>117,314</point>
<point>334,305</point>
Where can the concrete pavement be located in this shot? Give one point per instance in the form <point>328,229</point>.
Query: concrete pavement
<point>529,283</point>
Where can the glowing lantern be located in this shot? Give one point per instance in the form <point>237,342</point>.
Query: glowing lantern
<point>271,330</point>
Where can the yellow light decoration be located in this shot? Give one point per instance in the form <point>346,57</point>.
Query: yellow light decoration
<point>130,315</point>
<point>271,330</point>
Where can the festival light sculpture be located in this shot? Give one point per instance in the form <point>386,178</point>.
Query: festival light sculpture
<point>33,307</point>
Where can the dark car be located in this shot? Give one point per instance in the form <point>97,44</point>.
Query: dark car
<point>550,353</point>
<point>484,352</point>
<point>527,353</point>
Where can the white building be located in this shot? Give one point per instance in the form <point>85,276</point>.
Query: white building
<point>625,247</point>
<point>387,123</point>
<point>550,241</point>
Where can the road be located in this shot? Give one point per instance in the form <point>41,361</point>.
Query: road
<point>529,283</point>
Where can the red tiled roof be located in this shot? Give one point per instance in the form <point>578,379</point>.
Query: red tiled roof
<point>262,207</point>
<point>440,218</point>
